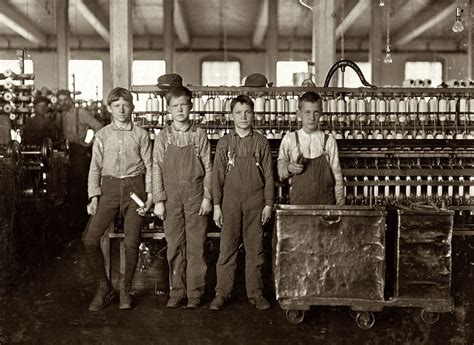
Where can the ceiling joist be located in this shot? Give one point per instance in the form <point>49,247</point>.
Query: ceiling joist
<point>425,21</point>
<point>262,25</point>
<point>180,24</point>
<point>17,22</point>
<point>92,12</point>
<point>352,16</point>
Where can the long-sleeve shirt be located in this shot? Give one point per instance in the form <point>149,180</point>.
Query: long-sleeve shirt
<point>120,153</point>
<point>76,122</point>
<point>243,147</point>
<point>311,146</point>
<point>180,138</point>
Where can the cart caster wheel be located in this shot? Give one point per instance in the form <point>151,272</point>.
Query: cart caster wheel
<point>295,316</point>
<point>365,319</point>
<point>429,317</point>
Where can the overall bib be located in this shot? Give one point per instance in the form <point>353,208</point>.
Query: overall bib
<point>242,205</point>
<point>185,229</point>
<point>315,185</point>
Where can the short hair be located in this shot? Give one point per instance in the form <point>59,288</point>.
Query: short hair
<point>311,97</point>
<point>64,92</point>
<point>178,91</point>
<point>244,99</point>
<point>117,93</point>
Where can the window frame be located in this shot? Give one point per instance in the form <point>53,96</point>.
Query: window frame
<point>214,58</point>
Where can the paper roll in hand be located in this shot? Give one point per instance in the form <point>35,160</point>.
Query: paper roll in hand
<point>139,201</point>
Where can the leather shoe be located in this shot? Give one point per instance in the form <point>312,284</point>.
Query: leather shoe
<point>103,297</point>
<point>125,298</point>
<point>259,302</point>
<point>217,303</point>
<point>193,303</point>
<point>174,302</point>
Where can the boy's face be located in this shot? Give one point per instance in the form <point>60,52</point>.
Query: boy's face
<point>309,115</point>
<point>179,108</point>
<point>121,110</point>
<point>242,115</point>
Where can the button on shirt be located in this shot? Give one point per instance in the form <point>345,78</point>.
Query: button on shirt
<point>311,146</point>
<point>180,138</point>
<point>76,122</point>
<point>120,153</point>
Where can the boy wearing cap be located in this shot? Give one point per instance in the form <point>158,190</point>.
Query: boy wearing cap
<point>182,196</point>
<point>309,159</point>
<point>121,165</point>
<point>243,197</point>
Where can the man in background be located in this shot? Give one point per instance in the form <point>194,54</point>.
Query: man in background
<point>75,123</point>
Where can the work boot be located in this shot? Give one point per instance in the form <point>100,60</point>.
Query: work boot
<point>174,302</point>
<point>193,303</point>
<point>259,302</point>
<point>125,298</point>
<point>217,303</point>
<point>103,297</point>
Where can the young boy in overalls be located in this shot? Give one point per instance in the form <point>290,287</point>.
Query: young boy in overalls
<point>309,158</point>
<point>243,192</point>
<point>182,196</point>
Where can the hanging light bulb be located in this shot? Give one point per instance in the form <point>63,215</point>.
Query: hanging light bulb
<point>457,26</point>
<point>388,56</point>
<point>381,3</point>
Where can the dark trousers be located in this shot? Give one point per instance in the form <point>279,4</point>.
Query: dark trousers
<point>116,198</point>
<point>78,171</point>
<point>241,210</point>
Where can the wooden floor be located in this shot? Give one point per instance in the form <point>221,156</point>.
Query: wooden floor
<point>51,308</point>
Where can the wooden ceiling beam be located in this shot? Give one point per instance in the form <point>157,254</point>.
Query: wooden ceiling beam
<point>180,24</point>
<point>92,12</point>
<point>17,22</point>
<point>352,16</point>
<point>261,25</point>
<point>423,22</point>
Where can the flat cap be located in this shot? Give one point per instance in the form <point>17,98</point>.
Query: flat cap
<point>170,80</point>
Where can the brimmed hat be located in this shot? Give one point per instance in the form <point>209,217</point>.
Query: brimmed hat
<point>170,80</point>
<point>257,80</point>
<point>39,99</point>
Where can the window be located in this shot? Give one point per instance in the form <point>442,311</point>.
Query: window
<point>286,70</point>
<point>424,70</point>
<point>86,76</point>
<point>220,73</point>
<point>351,79</point>
<point>14,66</point>
<point>146,72</point>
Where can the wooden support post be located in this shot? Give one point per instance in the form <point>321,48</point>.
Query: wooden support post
<point>272,40</point>
<point>121,43</point>
<point>375,48</point>
<point>62,50</point>
<point>168,33</point>
<point>470,27</point>
<point>324,39</point>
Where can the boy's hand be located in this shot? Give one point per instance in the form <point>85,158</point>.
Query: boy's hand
<point>92,206</point>
<point>159,210</point>
<point>218,216</point>
<point>266,214</point>
<point>295,168</point>
<point>205,208</point>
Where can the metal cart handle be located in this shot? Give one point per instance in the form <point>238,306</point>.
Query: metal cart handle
<point>330,220</point>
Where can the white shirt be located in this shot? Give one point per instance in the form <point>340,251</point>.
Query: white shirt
<point>311,146</point>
